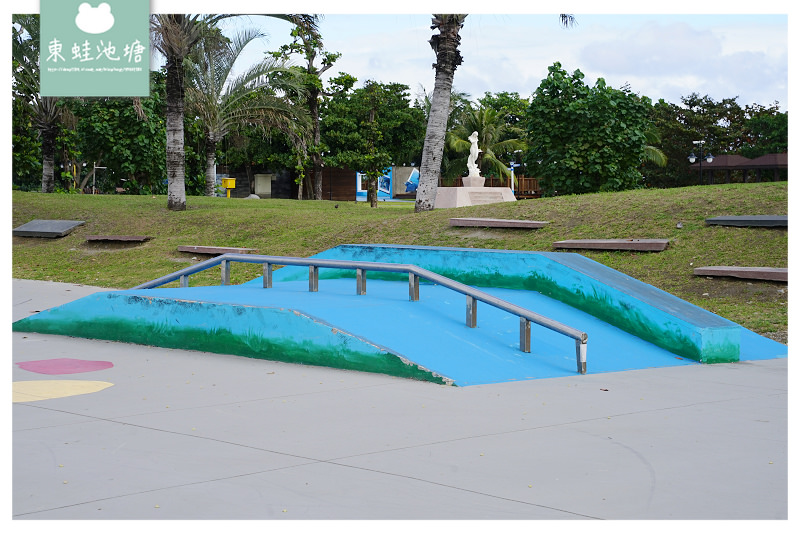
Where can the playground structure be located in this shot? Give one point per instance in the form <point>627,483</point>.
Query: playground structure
<point>307,312</point>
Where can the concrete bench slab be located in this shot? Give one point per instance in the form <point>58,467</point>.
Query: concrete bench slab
<point>118,238</point>
<point>647,245</point>
<point>750,220</point>
<point>765,273</point>
<point>50,229</point>
<point>214,250</point>
<point>496,223</point>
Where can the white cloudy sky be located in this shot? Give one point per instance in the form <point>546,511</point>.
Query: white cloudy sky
<point>696,47</point>
<point>658,55</point>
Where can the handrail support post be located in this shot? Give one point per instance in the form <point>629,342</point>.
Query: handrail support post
<point>361,282</point>
<point>413,287</point>
<point>184,281</point>
<point>524,335</point>
<point>225,265</point>
<point>267,275</point>
<point>580,353</point>
<point>472,312</point>
<point>313,278</point>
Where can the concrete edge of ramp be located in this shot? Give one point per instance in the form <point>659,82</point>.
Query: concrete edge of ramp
<point>277,334</point>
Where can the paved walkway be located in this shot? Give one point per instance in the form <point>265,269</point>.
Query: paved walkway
<point>189,435</point>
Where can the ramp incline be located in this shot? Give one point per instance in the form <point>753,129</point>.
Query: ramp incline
<point>382,331</point>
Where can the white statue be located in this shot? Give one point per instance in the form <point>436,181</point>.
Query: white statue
<point>474,171</point>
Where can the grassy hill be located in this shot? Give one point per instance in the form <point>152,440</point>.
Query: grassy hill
<point>290,227</point>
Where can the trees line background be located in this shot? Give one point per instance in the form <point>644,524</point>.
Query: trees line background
<point>574,137</point>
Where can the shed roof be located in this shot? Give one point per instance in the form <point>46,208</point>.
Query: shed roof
<point>771,161</point>
<point>738,162</point>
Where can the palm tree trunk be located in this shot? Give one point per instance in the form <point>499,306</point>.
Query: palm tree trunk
<point>448,58</point>
<point>48,136</point>
<point>433,149</point>
<point>316,157</point>
<point>176,172</point>
<point>211,167</point>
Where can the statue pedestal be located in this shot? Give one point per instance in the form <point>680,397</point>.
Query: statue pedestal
<point>464,196</point>
<point>473,181</point>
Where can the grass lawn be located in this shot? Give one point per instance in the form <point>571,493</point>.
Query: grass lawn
<point>303,228</point>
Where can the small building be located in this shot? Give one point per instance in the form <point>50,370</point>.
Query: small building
<point>774,166</point>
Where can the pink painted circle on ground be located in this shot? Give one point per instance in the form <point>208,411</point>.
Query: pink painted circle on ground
<point>64,365</point>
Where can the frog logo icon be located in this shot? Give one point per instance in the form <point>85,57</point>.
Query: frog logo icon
<point>94,20</point>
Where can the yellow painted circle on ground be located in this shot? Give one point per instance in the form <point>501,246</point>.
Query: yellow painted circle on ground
<point>33,391</point>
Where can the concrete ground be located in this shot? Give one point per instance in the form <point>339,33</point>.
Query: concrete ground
<point>191,435</point>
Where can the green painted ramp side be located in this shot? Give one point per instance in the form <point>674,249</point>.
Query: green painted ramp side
<point>277,334</point>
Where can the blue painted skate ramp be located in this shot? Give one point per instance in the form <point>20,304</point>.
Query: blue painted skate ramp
<point>428,336</point>
<point>432,332</point>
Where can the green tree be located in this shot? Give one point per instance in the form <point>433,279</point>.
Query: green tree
<point>497,138</point>
<point>309,46</point>
<point>723,125</point>
<point>174,36</point>
<point>224,102</point>
<point>676,144</point>
<point>585,139</point>
<point>26,150</point>
<point>45,110</point>
<point>126,136</point>
<point>511,105</point>
<point>459,101</point>
<point>371,129</point>
<point>766,131</point>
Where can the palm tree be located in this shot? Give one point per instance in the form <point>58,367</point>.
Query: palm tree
<point>652,154</point>
<point>448,58</point>
<point>174,36</point>
<point>224,102</point>
<point>46,111</point>
<point>459,101</point>
<point>496,138</point>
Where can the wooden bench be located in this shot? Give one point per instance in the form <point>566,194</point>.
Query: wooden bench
<point>765,273</point>
<point>646,245</point>
<point>118,238</point>
<point>496,223</point>
<point>214,250</point>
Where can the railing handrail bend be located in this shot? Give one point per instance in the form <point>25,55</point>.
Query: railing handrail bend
<point>580,337</point>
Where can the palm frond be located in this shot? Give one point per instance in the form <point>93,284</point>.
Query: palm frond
<point>254,96</point>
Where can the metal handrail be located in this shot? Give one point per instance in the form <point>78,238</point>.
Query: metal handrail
<point>414,272</point>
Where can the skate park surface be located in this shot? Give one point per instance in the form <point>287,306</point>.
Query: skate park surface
<point>630,325</point>
<point>163,433</point>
